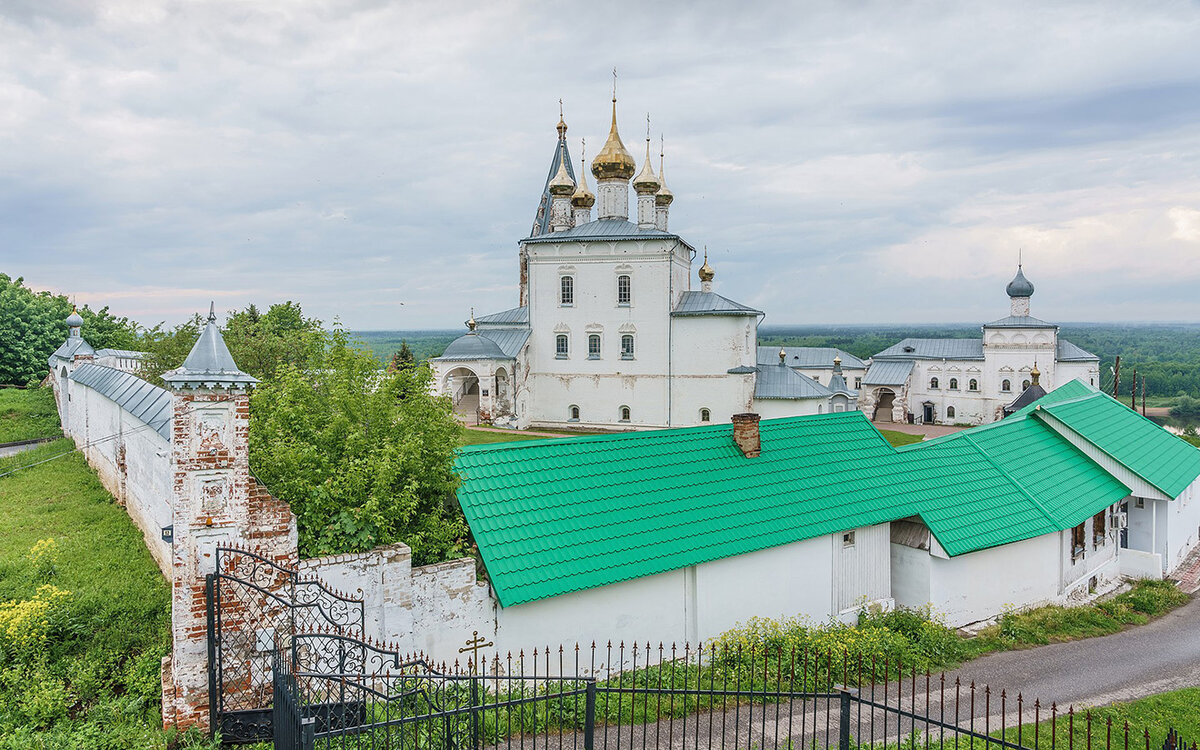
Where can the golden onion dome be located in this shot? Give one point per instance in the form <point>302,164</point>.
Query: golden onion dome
<point>582,197</point>
<point>646,181</point>
<point>613,161</point>
<point>706,271</point>
<point>561,184</point>
<point>664,196</point>
<point>1035,373</point>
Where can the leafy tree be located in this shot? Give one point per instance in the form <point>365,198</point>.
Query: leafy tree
<point>364,457</point>
<point>260,343</point>
<point>33,325</point>
<point>402,359</point>
<point>1186,409</point>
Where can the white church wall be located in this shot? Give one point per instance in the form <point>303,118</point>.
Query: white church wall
<point>131,459</point>
<point>774,408</point>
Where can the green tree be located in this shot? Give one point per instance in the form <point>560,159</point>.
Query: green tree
<point>260,343</point>
<point>33,325</point>
<point>402,359</point>
<point>363,456</point>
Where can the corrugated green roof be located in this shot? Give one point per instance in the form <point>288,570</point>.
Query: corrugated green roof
<point>556,516</point>
<point>1162,459</point>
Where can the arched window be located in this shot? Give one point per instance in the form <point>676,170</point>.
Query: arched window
<point>1024,385</point>
<point>627,346</point>
<point>933,384</point>
<point>567,290</point>
<point>949,412</point>
<point>705,415</point>
<point>574,412</point>
<point>954,384</point>
<point>1005,385</point>
<point>972,384</point>
<point>561,347</point>
<point>624,290</point>
<point>594,346</point>
<point>820,408</point>
<point>624,413</point>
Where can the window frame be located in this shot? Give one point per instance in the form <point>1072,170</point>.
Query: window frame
<point>951,412</point>
<point>566,290</point>
<point>706,414</point>
<point>973,384</point>
<point>1006,386</point>
<point>1100,529</point>
<point>626,291</point>
<point>594,338</point>
<point>627,353</point>
<point>573,413</point>
<point>624,413</point>
<point>934,384</point>
<point>562,346</point>
<point>954,384</point>
<point>848,539</point>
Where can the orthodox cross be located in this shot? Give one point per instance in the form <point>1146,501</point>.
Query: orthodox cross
<point>560,109</point>
<point>474,645</point>
<point>614,84</point>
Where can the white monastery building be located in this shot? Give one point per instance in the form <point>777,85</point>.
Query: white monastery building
<point>973,381</point>
<point>610,333</point>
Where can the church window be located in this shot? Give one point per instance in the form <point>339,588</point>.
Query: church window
<point>624,292</point>
<point>574,412</point>
<point>972,384</point>
<point>954,384</point>
<point>933,384</point>
<point>857,383</point>
<point>561,349</point>
<point>627,346</point>
<point>624,413</point>
<point>594,346</point>
<point>705,415</point>
<point>1006,386</point>
<point>950,412</point>
<point>1024,385</point>
<point>567,290</point>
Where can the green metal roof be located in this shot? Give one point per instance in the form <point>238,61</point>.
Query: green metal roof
<point>1162,459</point>
<point>562,515</point>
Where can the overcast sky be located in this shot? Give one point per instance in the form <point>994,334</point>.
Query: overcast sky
<point>843,162</point>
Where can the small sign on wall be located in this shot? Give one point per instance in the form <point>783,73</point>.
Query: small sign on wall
<point>168,534</point>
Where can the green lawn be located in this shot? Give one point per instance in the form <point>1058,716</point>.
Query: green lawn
<point>901,438</point>
<point>84,671</point>
<point>482,435</point>
<point>26,414</point>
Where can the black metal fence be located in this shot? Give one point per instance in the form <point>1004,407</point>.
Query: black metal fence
<point>351,694</point>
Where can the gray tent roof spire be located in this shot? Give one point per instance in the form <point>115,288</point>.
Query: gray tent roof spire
<point>209,364</point>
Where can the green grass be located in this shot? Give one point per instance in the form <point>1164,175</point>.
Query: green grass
<point>94,682</point>
<point>27,414</point>
<point>901,438</point>
<point>1178,710</point>
<point>1053,624</point>
<point>483,435</point>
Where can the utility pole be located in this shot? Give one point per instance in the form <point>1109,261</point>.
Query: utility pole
<point>1133,392</point>
<point>1143,395</point>
<point>1117,378</point>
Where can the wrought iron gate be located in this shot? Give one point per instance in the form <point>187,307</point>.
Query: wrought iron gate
<point>256,607</point>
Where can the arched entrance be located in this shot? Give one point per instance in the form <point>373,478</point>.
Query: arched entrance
<point>462,386</point>
<point>884,399</point>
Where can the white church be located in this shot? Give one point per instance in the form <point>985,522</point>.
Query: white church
<point>609,332</point>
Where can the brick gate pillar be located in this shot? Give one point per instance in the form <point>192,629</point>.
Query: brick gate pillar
<point>215,501</point>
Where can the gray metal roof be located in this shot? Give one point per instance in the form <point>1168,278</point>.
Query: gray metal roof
<point>837,384</point>
<point>124,353</point>
<point>710,303</point>
<point>515,316</point>
<point>1027,397</point>
<point>809,357</point>
<point>741,370</point>
<point>893,372</point>
<point>604,229</point>
<point>1068,352</point>
<point>541,220</point>
<point>501,343</point>
<point>781,382</point>
<point>934,349</point>
<point>145,402</point>
<point>209,362</point>
<point>69,348</point>
<point>1019,321</point>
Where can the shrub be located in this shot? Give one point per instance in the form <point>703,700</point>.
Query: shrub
<point>27,626</point>
<point>43,559</point>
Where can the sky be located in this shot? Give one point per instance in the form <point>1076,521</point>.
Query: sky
<point>377,162</point>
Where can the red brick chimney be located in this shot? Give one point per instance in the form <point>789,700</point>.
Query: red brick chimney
<point>745,434</point>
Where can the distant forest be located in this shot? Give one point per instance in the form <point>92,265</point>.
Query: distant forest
<point>1168,355</point>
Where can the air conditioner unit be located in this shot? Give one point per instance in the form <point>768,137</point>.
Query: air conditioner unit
<point>1121,520</point>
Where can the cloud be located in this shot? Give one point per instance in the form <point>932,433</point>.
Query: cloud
<point>834,157</point>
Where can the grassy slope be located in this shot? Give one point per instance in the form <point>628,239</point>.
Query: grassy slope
<point>27,414</point>
<point>901,438</point>
<point>97,684</point>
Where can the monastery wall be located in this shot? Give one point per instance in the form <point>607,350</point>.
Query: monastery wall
<point>131,458</point>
